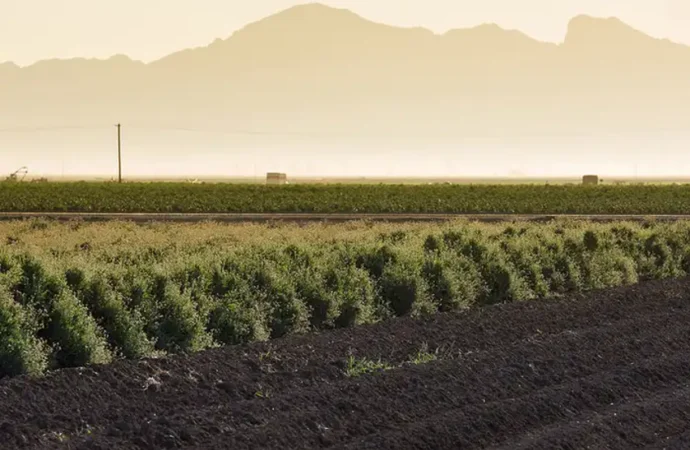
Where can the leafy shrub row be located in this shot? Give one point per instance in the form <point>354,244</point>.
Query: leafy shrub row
<point>349,198</point>
<point>58,311</point>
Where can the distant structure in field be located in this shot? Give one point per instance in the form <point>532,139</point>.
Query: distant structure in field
<point>590,179</point>
<point>276,178</point>
<point>18,175</point>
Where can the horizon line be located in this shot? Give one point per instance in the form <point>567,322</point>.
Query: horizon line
<point>602,177</point>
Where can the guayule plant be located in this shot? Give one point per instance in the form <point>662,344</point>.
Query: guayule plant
<point>137,291</point>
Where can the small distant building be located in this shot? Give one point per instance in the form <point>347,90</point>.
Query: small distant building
<point>276,178</point>
<point>590,180</point>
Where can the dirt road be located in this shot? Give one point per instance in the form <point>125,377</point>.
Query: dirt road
<point>308,217</point>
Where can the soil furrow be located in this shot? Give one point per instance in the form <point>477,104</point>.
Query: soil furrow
<point>678,441</point>
<point>636,424</point>
<point>535,363</point>
<point>504,371</point>
<point>520,370</point>
<point>481,426</point>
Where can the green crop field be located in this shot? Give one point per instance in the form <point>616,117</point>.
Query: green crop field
<point>77,294</point>
<point>245,198</point>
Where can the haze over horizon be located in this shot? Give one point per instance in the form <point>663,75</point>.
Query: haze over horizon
<point>147,31</point>
<point>317,91</point>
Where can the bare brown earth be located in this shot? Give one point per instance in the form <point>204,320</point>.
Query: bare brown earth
<point>610,369</point>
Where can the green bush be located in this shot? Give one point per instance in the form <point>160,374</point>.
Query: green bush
<point>37,289</point>
<point>137,289</point>
<point>74,334</point>
<point>312,287</point>
<point>374,260</point>
<point>237,319</point>
<point>287,313</point>
<point>20,351</point>
<point>404,290</point>
<point>35,286</point>
<point>453,282</point>
<point>180,329</point>
<point>609,269</point>
<point>6,263</point>
<point>10,272</point>
<point>124,328</point>
<point>531,263</point>
<point>503,283</point>
<point>665,259</point>
<point>354,293</point>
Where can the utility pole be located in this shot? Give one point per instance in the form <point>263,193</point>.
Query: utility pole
<point>119,154</point>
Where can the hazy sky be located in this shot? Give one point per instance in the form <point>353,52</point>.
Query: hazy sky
<point>148,29</point>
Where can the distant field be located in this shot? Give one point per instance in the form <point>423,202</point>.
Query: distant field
<point>260,179</point>
<point>344,198</point>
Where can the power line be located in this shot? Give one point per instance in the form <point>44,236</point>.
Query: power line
<point>359,133</point>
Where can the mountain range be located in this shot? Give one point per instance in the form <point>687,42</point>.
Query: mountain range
<point>318,70</point>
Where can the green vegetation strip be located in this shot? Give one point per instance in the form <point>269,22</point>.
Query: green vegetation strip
<point>356,367</point>
<point>78,294</point>
<point>373,199</point>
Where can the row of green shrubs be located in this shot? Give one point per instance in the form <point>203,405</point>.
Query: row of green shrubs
<point>133,302</point>
<point>344,198</point>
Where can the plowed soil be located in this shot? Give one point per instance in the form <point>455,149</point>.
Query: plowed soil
<point>610,369</point>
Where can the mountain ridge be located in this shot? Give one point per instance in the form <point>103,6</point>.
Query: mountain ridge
<point>318,10</point>
<point>313,67</point>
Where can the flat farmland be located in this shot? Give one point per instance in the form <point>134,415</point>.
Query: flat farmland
<point>344,198</point>
<point>355,335</point>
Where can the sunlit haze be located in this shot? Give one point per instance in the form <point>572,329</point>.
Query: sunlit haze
<point>321,92</point>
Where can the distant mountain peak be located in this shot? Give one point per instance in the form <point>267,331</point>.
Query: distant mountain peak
<point>599,30</point>
<point>490,37</point>
<point>118,60</point>
<point>314,7</point>
<point>121,58</point>
<point>594,21</point>
<point>312,13</point>
<point>490,29</point>
<point>9,65</point>
<point>303,18</point>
